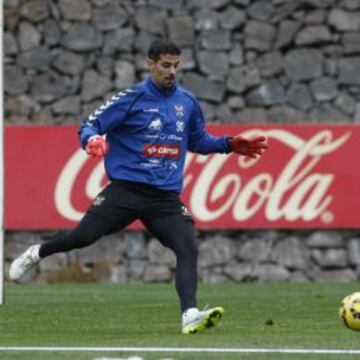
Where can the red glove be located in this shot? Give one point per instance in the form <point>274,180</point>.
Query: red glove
<point>96,146</point>
<point>249,147</point>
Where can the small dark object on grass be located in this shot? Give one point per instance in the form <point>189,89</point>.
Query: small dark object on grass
<point>269,322</point>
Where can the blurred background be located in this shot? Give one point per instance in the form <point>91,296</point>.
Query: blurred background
<point>248,62</point>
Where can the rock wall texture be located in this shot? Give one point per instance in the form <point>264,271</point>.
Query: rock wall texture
<point>226,256</point>
<point>246,60</point>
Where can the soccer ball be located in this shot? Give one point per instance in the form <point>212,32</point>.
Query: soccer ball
<point>349,311</point>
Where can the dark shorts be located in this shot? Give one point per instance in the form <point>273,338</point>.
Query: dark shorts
<point>129,201</point>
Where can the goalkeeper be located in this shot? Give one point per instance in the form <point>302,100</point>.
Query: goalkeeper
<point>148,129</point>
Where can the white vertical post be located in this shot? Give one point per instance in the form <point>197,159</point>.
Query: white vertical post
<point>1,157</point>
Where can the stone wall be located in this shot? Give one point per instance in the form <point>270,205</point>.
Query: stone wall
<point>226,256</point>
<point>294,60</point>
<point>246,60</point>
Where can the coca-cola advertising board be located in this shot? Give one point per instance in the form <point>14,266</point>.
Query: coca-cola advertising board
<point>308,178</point>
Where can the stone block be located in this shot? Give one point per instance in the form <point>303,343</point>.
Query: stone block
<point>82,38</point>
<point>216,40</point>
<point>291,253</point>
<point>75,10</point>
<point>324,89</point>
<point>348,71</point>
<point>34,10</point>
<point>255,250</point>
<point>299,96</point>
<point>240,271</point>
<point>324,239</point>
<point>68,105</point>
<point>261,10</point>
<point>259,36</point>
<point>46,88</point>
<point>204,88</point>
<point>232,18</point>
<point>269,93</point>
<point>69,63</point>
<point>330,258</point>
<point>286,33</point>
<point>28,36</point>
<point>51,33</point>
<point>182,30</point>
<point>214,64</point>
<point>312,35</point>
<point>271,273</point>
<point>343,20</point>
<point>270,64</point>
<point>353,251</point>
<point>125,74</point>
<point>151,20</point>
<point>94,85</point>
<point>303,64</point>
<point>206,19</point>
<point>36,59</point>
<point>109,17</point>
<point>15,82</point>
<point>217,250</point>
<point>243,78</point>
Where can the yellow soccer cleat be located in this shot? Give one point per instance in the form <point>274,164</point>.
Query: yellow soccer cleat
<point>194,320</point>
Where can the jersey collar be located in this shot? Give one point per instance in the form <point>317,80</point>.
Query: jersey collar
<point>158,89</point>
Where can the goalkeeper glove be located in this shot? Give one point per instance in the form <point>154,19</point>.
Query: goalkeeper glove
<point>96,146</point>
<point>249,147</point>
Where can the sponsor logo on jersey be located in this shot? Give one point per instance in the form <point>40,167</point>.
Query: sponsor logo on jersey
<point>155,124</point>
<point>174,137</point>
<point>151,110</point>
<point>163,136</point>
<point>161,150</point>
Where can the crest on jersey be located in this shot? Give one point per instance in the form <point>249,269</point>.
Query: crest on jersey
<point>179,110</point>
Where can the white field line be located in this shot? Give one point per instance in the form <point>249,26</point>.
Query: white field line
<point>178,350</point>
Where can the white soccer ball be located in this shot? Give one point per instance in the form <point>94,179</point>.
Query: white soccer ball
<point>349,311</point>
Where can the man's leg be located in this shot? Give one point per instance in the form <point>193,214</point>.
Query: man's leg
<point>90,229</point>
<point>101,219</point>
<point>178,234</point>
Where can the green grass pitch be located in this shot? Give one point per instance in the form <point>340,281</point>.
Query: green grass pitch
<point>290,316</point>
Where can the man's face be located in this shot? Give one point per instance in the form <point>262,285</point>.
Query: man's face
<point>164,70</point>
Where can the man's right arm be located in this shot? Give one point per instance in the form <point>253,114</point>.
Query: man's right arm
<point>107,116</point>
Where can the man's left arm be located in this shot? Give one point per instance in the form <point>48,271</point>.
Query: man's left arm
<point>200,141</point>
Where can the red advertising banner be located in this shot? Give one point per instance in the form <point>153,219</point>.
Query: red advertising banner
<point>309,178</point>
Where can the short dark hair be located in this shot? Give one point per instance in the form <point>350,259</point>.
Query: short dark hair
<point>162,46</point>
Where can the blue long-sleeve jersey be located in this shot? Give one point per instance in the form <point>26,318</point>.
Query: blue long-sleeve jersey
<point>149,129</point>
